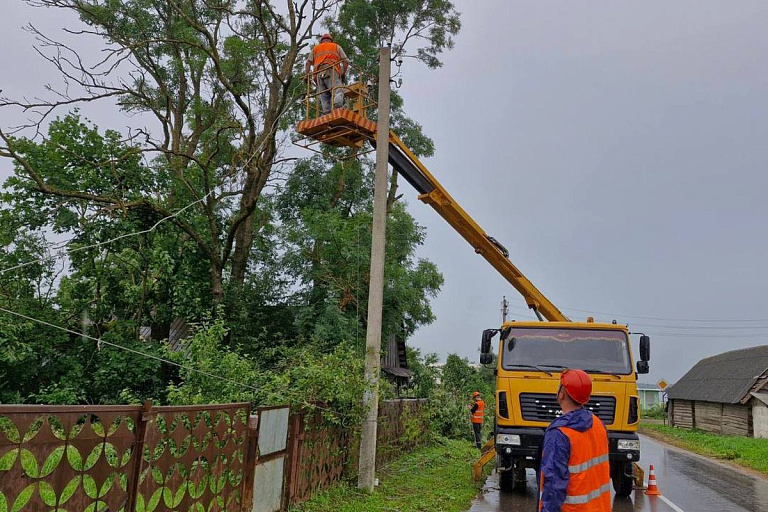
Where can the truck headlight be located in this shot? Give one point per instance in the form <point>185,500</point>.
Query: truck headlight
<point>512,439</point>
<point>629,444</point>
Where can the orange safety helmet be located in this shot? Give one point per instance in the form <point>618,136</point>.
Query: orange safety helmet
<point>475,394</point>
<point>326,36</point>
<point>577,385</point>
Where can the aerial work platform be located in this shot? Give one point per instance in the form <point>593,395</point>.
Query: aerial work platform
<point>341,127</point>
<point>351,127</point>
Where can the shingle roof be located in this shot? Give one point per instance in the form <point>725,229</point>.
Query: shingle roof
<point>725,378</point>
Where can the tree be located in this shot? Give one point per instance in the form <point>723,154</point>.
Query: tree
<point>194,209</point>
<point>189,66</point>
<point>327,253</point>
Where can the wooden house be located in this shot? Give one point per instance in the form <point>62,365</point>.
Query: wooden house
<point>394,363</point>
<point>724,394</point>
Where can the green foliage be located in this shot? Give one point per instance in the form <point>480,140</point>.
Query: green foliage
<point>305,376</point>
<point>218,370</point>
<point>744,451</point>
<point>187,222</point>
<point>656,412</point>
<point>367,24</point>
<point>450,403</point>
<point>334,382</point>
<point>328,252</point>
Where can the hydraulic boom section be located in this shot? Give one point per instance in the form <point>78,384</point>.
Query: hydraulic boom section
<point>344,127</point>
<point>433,193</point>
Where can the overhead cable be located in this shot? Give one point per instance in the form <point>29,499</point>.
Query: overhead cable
<point>62,252</point>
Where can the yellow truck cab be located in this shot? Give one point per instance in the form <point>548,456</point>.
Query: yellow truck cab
<point>529,360</point>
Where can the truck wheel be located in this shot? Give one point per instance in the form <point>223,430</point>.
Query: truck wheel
<point>506,480</point>
<point>512,479</point>
<point>623,479</point>
<point>519,479</point>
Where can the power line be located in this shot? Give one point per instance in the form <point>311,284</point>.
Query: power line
<point>127,349</point>
<point>718,336</point>
<point>62,252</point>
<point>168,361</point>
<point>703,327</point>
<point>650,327</point>
<point>668,319</point>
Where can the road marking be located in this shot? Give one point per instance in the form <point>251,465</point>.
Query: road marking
<point>665,500</point>
<point>674,507</point>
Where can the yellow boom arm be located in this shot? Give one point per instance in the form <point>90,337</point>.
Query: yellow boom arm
<point>344,127</point>
<point>432,193</point>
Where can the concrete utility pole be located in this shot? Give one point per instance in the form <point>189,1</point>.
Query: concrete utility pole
<point>367,465</point>
<point>504,309</point>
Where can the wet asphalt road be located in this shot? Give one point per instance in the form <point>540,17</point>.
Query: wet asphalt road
<point>689,484</point>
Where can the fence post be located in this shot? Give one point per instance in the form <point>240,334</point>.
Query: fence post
<point>293,460</point>
<point>249,463</point>
<point>138,452</point>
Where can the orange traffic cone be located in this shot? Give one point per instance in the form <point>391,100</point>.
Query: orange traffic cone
<point>652,489</point>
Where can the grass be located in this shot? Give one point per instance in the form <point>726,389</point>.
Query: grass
<point>743,451</point>
<point>435,478</point>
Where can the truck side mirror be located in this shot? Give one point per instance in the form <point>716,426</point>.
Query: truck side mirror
<point>485,344</point>
<point>645,348</point>
<point>486,358</point>
<point>642,367</point>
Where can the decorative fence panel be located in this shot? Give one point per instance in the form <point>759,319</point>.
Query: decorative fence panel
<point>323,453</point>
<point>193,458</point>
<point>84,458</point>
<point>67,458</point>
<point>402,427</point>
<point>319,451</point>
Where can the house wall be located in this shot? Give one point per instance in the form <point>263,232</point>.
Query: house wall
<point>682,413</point>
<point>649,398</point>
<point>736,420</point>
<point>709,417</point>
<point>759,418</point>
<point>727,419</point>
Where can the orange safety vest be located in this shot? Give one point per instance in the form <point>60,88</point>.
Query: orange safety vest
<point>326,54</point>
<point>477,416</point>
<point>589,483</point>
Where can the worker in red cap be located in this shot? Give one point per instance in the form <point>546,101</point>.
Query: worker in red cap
<point>330,65</point>
<point>575,472</point>
<point>477,412</point>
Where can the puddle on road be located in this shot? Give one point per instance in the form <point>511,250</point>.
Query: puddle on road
<point>493,500</point>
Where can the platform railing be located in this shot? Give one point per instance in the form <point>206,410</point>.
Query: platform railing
<point>354,87</point>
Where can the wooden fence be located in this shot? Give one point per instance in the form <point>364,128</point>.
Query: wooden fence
<point>207,458</point>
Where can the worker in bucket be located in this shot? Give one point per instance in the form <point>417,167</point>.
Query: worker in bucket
<point>575,472</point>
<point>330,65</point>
<point>477,411</point>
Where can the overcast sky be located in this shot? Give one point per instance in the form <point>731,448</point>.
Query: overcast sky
<point>617,149</point>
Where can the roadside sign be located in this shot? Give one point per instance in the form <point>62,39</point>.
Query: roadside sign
<point>662,384</point>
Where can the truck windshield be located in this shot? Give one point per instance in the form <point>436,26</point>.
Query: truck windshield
<point>594,349</point>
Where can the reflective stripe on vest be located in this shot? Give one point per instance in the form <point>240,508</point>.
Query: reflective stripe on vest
<point>578,468</point>
<point>325,53</point>
<point>586,498</point>
<point>477,416</point>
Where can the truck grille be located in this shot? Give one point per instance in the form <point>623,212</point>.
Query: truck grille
<point>544,407</point>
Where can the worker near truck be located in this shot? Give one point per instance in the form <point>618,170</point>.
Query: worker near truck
<point>477,413</point>
<point>575,472</point>
<point>330,65</point>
